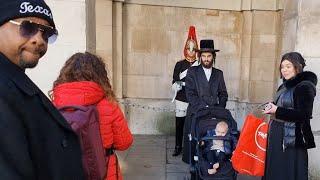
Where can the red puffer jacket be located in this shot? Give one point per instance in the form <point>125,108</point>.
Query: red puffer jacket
<point>113,126</point>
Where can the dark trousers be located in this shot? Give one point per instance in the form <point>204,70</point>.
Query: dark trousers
<point>195,176</point>
<point>179,130</point>
<point>213,156</point>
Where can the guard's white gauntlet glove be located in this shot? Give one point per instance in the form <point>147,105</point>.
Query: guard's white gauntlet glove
<point>177,86</point>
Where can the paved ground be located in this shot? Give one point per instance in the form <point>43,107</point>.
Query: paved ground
<point>150,159</point>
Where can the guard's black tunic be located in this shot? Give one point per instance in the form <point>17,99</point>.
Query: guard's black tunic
<point>180,67</point>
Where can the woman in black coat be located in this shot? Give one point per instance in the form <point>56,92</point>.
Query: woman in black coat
<point>290,133</point>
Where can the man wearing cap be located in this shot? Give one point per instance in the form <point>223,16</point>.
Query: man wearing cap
<point>35,140</point>
<point>178,85</point>
<point>205,87</point>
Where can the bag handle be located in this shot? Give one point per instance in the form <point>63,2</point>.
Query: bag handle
<point>117,161</point>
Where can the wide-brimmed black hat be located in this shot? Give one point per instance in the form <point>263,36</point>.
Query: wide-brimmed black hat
<point>207,45</point>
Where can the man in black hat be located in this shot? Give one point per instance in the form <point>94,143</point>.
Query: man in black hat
<point>205,87</point>
<point>205,84</point>
<point>35,140</point>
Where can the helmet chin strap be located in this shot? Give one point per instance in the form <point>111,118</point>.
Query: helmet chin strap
<point>190,59</point>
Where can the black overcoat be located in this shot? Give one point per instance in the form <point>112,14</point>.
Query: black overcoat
<point>201,93</point>
<point>36,142</point>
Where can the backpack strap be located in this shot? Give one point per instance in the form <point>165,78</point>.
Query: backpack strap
<point>109,152</point>
<point>117,165</point>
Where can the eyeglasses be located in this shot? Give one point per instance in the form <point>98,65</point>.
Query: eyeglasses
<point>28,29</point>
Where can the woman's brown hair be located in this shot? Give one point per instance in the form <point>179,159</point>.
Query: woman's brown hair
<point>86,67</point>
<point>296,59</point>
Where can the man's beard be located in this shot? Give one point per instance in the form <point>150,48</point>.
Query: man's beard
<point>208,66</point>
<point>31,63</point>
<point>24,64</point>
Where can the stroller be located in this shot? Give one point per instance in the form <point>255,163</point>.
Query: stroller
<point>204,121</point>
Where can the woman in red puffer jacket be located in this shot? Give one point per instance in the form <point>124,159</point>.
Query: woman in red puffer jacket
<point>83,81</point>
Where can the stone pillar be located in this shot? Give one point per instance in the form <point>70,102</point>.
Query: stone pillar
<point>259,56</point>
<point>301,34</point>
<point>91,26</point>
<point>117,48</point>
<point>104,34</point>
<point>245,56</point>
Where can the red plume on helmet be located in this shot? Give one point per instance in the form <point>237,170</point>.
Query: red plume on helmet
<point>191,45</point>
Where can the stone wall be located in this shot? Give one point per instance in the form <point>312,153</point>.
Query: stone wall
<point>154,38</point>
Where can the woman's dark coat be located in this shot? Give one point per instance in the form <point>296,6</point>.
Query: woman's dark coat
<point>36,142</point>
<point>201,93</point>
<point>304,85</point>
<point>290,133</point>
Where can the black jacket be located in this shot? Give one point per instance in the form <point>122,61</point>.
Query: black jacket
<point>180,67</point>
<point>36,142</point>
<point>201,93</point>
<point>304,91</point>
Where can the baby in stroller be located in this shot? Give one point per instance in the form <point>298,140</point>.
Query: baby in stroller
<point>216,151</point>
<point>215,134</point>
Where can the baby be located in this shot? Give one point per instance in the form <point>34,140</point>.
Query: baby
<point>216,154</point>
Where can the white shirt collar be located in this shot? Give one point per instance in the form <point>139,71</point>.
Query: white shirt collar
<point>207,72</point>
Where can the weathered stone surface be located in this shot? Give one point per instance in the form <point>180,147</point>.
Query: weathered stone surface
<point>260,91</point>
<point>103,13</point>
<point>289,38</point>
<point>264,46</point>
<point>262,70</point>
<point>104,38</point>
<point>265,22</point>
<point>246,45</point>
<point>309,8</point>
<point>265,4</point>
<point>308,36</point>
<point>147,116</point>
<point>245,68</point>
<point>244,91</point>
<point>141,40</point>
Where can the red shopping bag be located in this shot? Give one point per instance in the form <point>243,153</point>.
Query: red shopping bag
<point>249,155</point>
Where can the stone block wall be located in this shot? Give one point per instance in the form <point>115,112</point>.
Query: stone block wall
<point>154,39</point>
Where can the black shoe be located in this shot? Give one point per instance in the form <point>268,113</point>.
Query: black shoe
<point>177,151</point>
